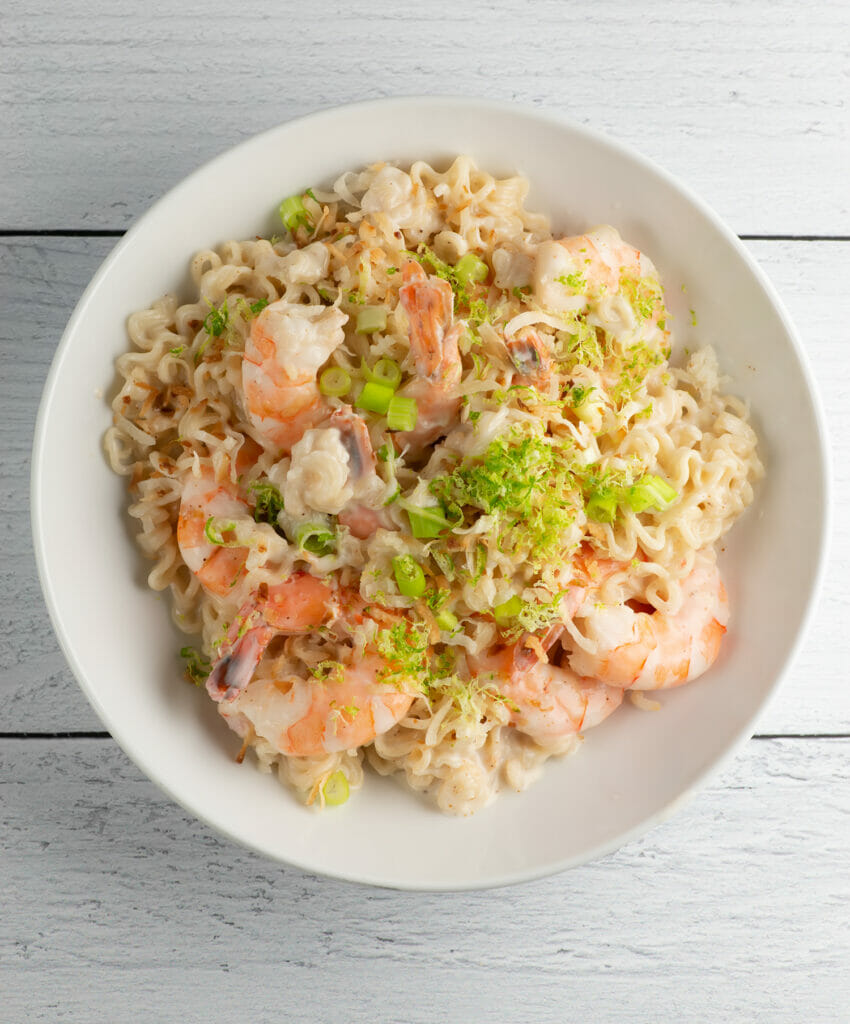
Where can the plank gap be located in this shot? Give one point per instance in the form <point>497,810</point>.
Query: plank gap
<point>794,238</point>
<point>61,233</point>
<point>74,735</point>
<point>801,736</point>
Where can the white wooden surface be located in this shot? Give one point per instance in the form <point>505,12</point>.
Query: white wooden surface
<point>116,906</point>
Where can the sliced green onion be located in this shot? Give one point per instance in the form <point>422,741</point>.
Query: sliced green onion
<point>507,610</point>
<point>335,790</point>
<point>315,538</point>
<point>588,409</point>
<point>409,576</point>
<point>650,491</point>
<point>370,319</point>
<point>385,371</point>
<point>402,413</point>
<point>426,521</point>
<point>215,528</point>
<point>335,382</point>
<point>292,212</point>
<point>601,506</point>
<point>471,268</point>
<point>447,621</point>
<point>375,398</point>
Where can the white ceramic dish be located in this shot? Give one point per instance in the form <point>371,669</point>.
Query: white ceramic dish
<point>635,768</point>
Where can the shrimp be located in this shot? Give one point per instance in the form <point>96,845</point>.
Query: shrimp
<point>567,270</point>
<point>301,717</point>
<point>310,717</point>
<point>287,345</point>
<point>529,355</point>
<point>434,347</point>
<point>650,650</point>
<point>547,701</point>
<point>219,568</point>
<point>360,514</point>
<point>589,572</point>
<point>532,648</point>
<point>299,604</point>
<point>332,471</point>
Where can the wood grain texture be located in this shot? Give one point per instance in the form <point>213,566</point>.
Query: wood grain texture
<point>104,104</point>
<point>120,908</point>
<point>41,279</point>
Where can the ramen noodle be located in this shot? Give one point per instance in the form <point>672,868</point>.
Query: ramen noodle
<point>421,478</point>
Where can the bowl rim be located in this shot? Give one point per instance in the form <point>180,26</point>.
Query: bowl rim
<point>548,118</point>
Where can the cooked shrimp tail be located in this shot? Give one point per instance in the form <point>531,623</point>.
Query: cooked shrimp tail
<point>427,301</point>
<point>531,357</point>
<point>298,605</point>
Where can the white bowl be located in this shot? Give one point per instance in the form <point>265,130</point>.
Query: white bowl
<point>632,770</point>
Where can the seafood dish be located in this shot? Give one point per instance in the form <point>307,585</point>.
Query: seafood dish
<point>426,484</point>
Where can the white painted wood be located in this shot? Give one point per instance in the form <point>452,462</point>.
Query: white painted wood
<point>120,908</point>
<point>106,104</point>
<point>40,280</point>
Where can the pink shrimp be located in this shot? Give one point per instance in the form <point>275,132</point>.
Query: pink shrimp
<point>649,650</point>
<point>531,358</point>
<point>569,270</point>
<point>547,701</point>
<point>589,572</point>
<point>532,648</point>
<point>358,514</point>
<point>287,345</point>
<point>434,346</point>
<point>310,717</point>
<point>302,717</point>
<point>218,567</point>
<point>299,604</point>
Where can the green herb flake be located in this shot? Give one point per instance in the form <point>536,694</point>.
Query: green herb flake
<point>216,321</point>
<point>268,502</point>
<point>575,281</point>
<point>404,647</point>
<point>526,483</point>
<point>461,284</point>
<point>644,294</point>
<point>197,666</point>
<point>328,672</point>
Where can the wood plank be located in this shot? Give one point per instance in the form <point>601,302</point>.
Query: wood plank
<point>119,899</point>
<point>104,107</point>
<point>41,279</point>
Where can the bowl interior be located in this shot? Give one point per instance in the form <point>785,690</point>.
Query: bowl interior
<point>117,634</point>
